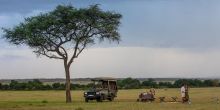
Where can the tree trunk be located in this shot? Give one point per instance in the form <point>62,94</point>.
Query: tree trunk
<point>68,92</point>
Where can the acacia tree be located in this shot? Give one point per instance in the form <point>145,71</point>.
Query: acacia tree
<point>65,32</point>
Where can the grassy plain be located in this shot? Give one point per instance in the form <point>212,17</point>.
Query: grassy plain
<point>55,100</point>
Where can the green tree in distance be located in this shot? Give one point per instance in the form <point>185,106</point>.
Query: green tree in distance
<point>65,32</point>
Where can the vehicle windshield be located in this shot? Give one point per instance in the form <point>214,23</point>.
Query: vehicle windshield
<point>99,85</point>
<point>96,85</point>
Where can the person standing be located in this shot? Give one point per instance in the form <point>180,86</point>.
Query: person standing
<point>183,93</point>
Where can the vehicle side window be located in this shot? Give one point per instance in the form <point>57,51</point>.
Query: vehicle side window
<point>113,85</point>
<point>105,84</point>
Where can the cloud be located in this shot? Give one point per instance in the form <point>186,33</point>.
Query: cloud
<point>148,62</point>
<point>181,24</point>
<point>160,24</point>
<point>159,39</point>
<point>11,20</point>
<point>27,6</point>
<point>13,54</point>
<point>24,6</point>
<point>12,57</point>
<point>118,62</point>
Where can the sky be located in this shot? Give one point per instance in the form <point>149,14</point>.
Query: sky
<point>160,39</point>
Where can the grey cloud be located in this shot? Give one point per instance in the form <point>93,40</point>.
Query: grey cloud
<point>23,6</point>
<point>150,23</point>
<point>9,57</point>
<point>181,24</point>
<point>164,30</point>
<point>26,6</point>
<point>120,62</point>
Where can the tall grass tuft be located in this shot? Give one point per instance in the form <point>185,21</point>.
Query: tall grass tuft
<point>79,108</point>
<point>44,101</point>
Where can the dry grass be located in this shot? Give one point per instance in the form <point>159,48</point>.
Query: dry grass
<point>55,100</point>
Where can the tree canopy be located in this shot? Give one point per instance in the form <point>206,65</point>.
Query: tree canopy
<point>51,34</point>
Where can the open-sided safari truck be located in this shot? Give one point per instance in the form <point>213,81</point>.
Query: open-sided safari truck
<point>103,89</point>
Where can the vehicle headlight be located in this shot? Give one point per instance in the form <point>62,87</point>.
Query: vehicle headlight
<point>97,92</point>
<point>85,93</point>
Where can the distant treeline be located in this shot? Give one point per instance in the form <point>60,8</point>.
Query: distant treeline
<point>130,83</point>
<point>37,85</point>
<point>127,83</point>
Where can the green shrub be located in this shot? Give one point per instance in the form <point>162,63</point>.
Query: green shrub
<point>44,101</point>
<point>79,108</point>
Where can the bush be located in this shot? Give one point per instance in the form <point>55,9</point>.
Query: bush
<point>44,101</point>
<point>79,108</point>
<point>129,83</point>
<point>150,83</point>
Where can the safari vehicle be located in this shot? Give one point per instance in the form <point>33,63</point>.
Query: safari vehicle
<point>103,89</point>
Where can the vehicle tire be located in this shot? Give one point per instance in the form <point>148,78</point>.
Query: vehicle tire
<point>100,98</point>
<point>86,100</point>
<point>111,98</point>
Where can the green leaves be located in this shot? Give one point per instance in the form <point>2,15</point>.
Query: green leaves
<point>66,27</point>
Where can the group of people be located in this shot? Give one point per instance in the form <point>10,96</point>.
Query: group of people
<point>150,95</point>
<point>147,96</point>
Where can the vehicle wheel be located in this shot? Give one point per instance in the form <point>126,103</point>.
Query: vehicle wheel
<point>86,100</point>
<point>100,99</point>
<point>111,98</point>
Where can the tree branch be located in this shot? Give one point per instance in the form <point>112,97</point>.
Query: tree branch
<point>57,46</point>
<point>74,54</point>
<point>80,51</point>
<point>49,56</point>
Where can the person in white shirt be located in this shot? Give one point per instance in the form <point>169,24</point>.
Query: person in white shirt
<point>183,93</point>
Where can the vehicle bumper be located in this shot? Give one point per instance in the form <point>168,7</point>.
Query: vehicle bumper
<point>92,97</point>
